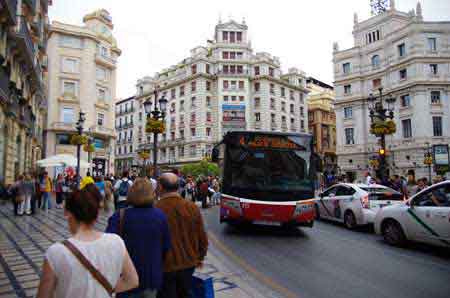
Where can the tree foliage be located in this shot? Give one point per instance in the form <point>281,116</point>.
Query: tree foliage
<point>203,167</point>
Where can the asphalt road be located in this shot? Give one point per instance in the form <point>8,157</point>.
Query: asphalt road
<point>330,261</point>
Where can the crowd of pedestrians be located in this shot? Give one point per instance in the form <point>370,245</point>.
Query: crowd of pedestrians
<point>154,239</point>
<point>408,186</point>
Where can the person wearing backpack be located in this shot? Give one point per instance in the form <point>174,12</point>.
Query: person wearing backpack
<point>121,187</point>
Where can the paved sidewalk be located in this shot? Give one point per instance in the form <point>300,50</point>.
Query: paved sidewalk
<point>24,240</point>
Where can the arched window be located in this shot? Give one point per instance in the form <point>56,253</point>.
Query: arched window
<point>375,61</point>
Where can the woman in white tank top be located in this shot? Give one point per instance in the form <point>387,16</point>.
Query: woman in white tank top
<point>63,276</point>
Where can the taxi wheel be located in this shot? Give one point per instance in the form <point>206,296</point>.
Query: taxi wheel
<point>393,233</point>
<point>349,220</point>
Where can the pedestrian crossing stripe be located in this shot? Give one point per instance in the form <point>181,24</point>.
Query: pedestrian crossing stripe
<point>426,227</point>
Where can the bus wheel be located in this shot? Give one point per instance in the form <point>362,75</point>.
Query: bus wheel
<point>349,220</point>
<point>317,211</point>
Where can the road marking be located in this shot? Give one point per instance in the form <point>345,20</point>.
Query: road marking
<point>258,275</point>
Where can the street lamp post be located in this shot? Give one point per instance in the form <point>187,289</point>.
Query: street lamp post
<point>379,115</point>
<point>79,127</point>
<point>157,114</point>
<point>428,159</point>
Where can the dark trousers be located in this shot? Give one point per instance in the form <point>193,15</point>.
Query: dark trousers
<point>177,284</point>
<point>59,198</point>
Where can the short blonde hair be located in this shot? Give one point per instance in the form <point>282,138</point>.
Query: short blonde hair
<point>141,193</point>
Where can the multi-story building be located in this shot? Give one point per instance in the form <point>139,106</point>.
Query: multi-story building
<point>322,122</point>
<point>222,86</point>
<point>409,58</point>
<point>127,138</point>
<point>23,102</point>
<point>82,77</point>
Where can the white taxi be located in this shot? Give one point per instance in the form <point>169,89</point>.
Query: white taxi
<point>425,217</point>
<point>354,204</point>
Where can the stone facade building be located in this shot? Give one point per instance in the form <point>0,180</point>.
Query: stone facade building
<point>322,122</point>
<point>222,86</point>
<point>127,115</point>
<point>23,102</point>
<point>82,77</point>
<point>410,59</point>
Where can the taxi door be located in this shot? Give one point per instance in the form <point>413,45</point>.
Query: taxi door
<point>430,215</point>
<point>324,205</point>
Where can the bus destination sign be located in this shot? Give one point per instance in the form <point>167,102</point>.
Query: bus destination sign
<point>269,142</point>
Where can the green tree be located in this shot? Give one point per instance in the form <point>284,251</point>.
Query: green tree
<point>203,167</point>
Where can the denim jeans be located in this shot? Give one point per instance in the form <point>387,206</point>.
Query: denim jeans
<point>46,200</point>
<point>177,284</point>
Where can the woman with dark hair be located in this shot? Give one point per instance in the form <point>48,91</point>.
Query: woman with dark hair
<point>90,263</point>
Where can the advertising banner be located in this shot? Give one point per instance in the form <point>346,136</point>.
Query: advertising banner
<point>233,116</point>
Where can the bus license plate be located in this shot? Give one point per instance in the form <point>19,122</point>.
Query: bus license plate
<point>267,223</point>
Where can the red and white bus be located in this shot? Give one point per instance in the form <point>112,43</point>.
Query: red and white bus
<point>267,178</point>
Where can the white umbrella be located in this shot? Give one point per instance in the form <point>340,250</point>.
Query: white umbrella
<point>62,160</point>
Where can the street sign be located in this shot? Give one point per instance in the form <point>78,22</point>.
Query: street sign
<point>441,155</point>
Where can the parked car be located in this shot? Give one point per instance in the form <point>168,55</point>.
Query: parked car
<point>425,217</point>
<point>355,204</point>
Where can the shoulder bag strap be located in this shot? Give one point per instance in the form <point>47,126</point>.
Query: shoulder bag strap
<point>121,221</point>
<point>89,267</point>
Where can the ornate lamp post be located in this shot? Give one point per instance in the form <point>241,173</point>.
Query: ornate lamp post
<point>381,125</point>
<point>79,127</point>
<point>155,123</point>
<point>428,159</point>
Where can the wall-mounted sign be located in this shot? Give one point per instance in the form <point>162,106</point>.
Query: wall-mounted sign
<point>441,155</point>
<point>233,116</point>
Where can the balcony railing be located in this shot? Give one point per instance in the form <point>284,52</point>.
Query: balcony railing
<point>100,129</point>
<point>63,126</point>
<point>24,40</point>
<point>4,85</point>
<point>11,10</point>
<point>105,61</point>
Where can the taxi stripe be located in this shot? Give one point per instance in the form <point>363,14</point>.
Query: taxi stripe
<point>326,209</point>
<point>427,227</point>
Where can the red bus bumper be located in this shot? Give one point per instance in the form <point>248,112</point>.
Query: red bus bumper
<point>238,210</point>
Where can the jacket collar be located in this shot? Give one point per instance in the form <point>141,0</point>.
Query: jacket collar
<point>173,194</point>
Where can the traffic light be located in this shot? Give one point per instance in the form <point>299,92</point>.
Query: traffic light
<point>382,152</point>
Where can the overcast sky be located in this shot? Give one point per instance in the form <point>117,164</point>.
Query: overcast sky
<point>156,34</point>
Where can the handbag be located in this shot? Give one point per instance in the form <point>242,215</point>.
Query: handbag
<point>89,267</point>
<point>202,286</point>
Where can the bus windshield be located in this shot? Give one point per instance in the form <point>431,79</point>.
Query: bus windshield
<point>270,171</point>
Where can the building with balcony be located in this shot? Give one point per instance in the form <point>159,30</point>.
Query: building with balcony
<point>23,101</point>
<point>82,77</point>
<point>128,116</point>
<point>322,122</point>
<point>409,57</point>
<point>222,86</point>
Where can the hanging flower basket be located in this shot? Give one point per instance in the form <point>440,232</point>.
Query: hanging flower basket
<point>428,160</point>
<point>89,148</point>
<point>379,128</point>
<point>78,140</point>
<point>144,155</point>
<point>155,126</point>
<point>374,163</point>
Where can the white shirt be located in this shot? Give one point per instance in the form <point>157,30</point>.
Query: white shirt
<point>368,180</point>
<point>117,186</point>
<point>106,254</point>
